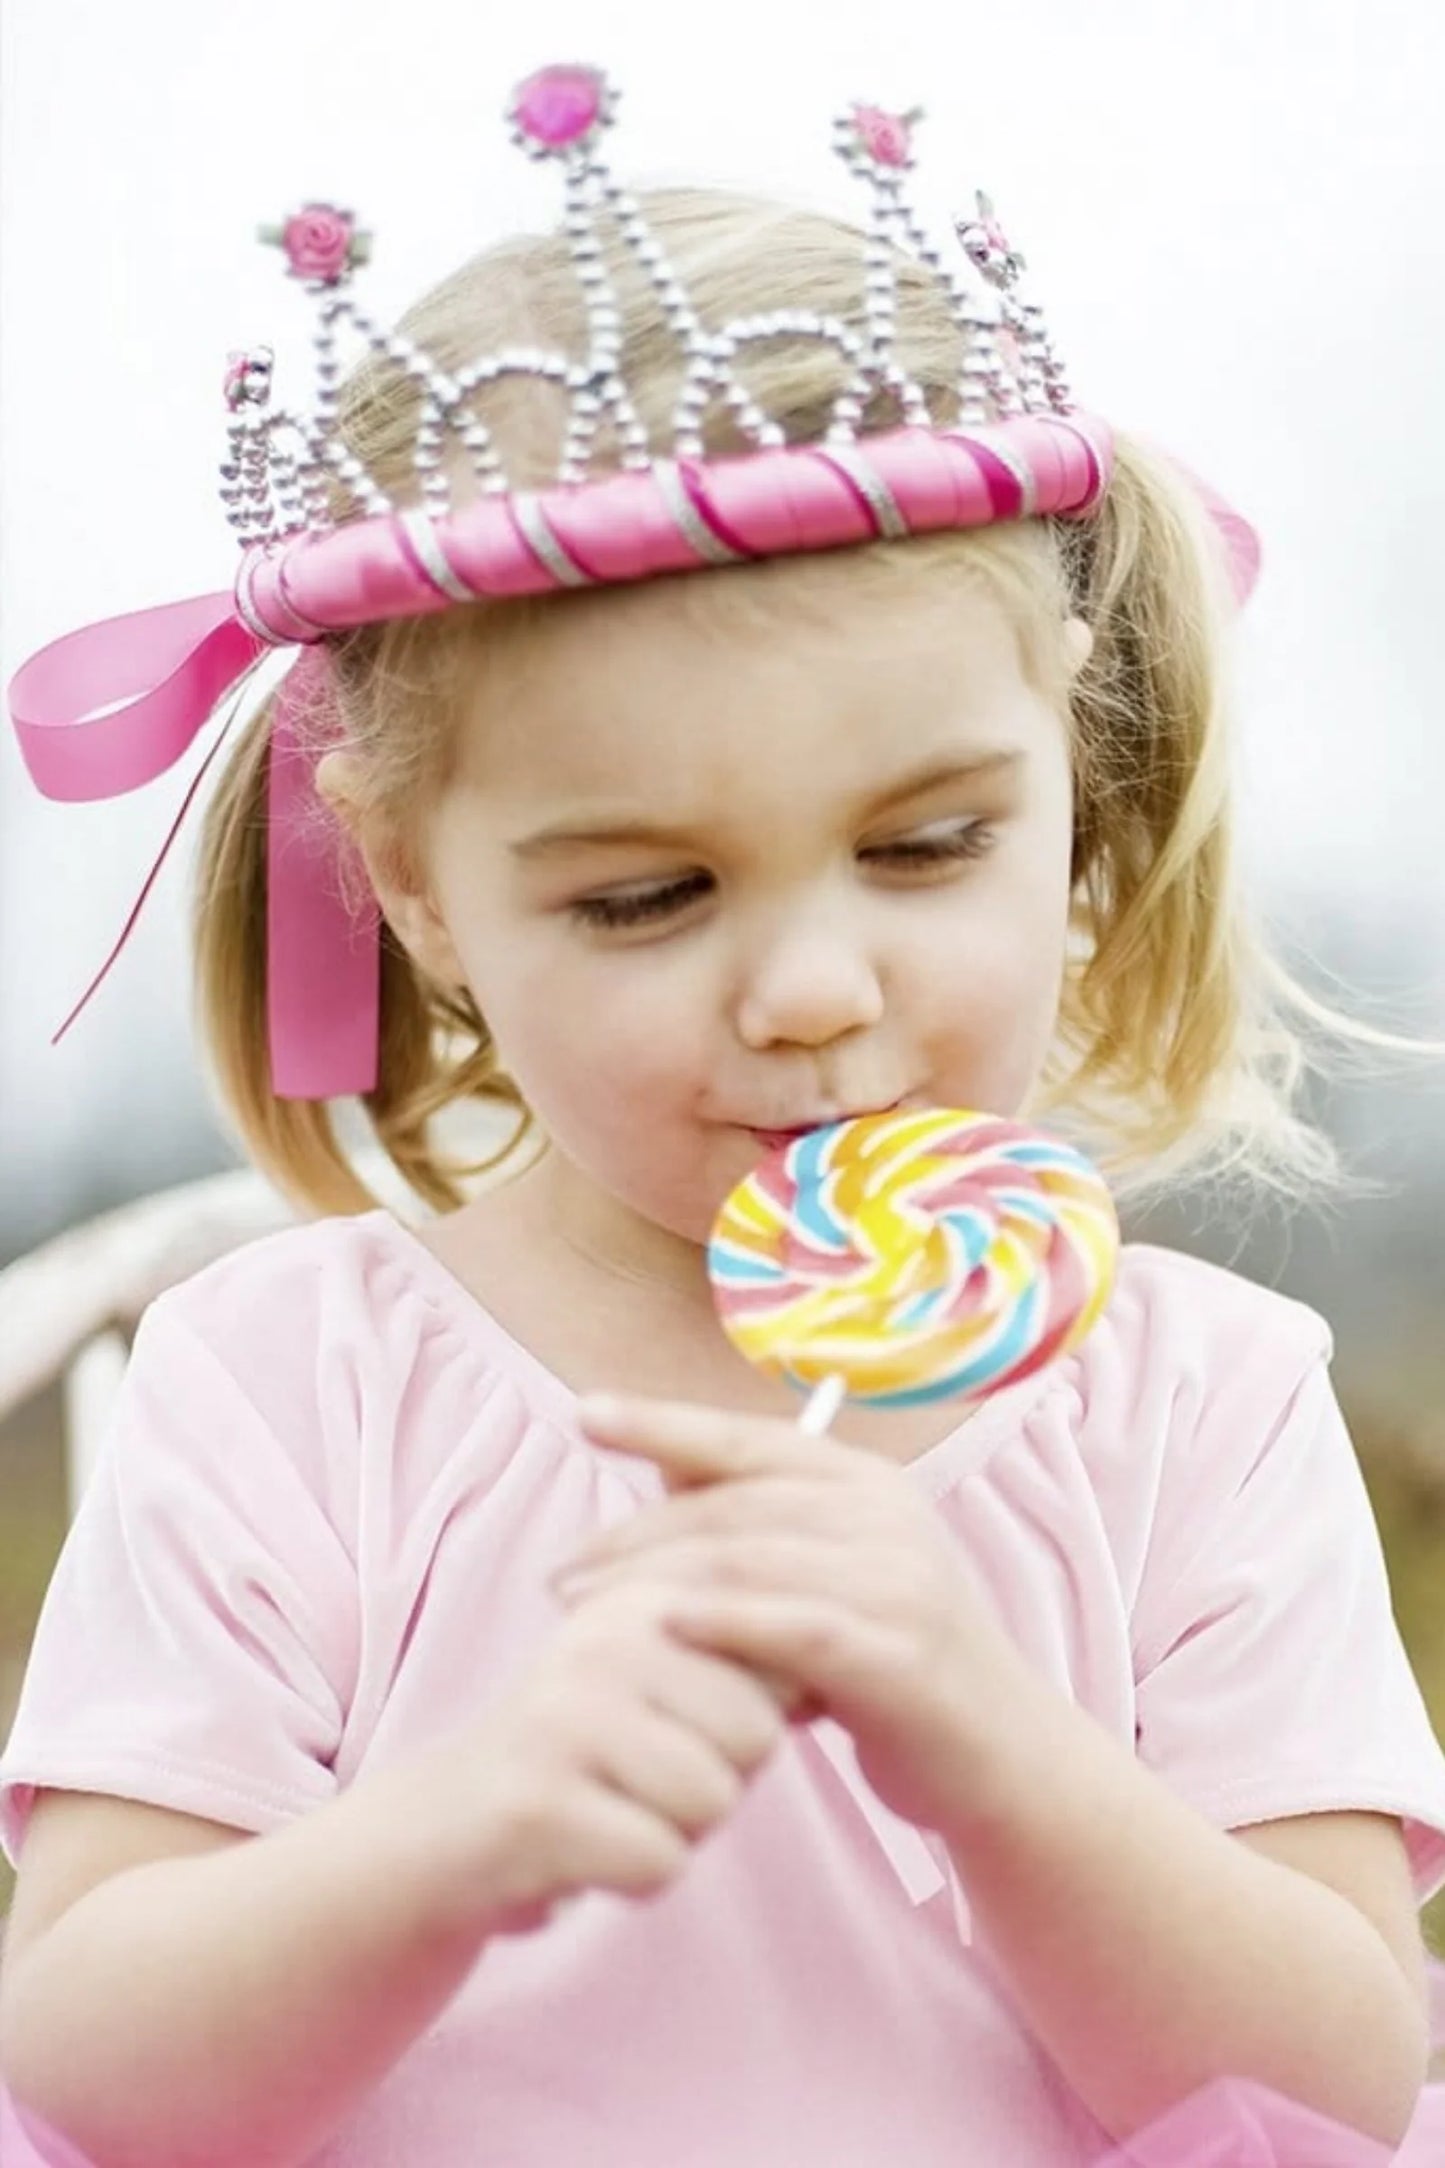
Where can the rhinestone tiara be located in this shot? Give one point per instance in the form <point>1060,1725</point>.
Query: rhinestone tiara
<point>276,479</point>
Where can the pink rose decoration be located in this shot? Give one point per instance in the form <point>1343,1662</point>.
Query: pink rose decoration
<point>318,242</point>
<point>556,107</point>
<point>887,138</point>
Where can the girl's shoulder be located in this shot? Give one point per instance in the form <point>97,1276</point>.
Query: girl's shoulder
<point>324,1274</point>
<point>1200,1399</point>
<point>338,1361</point>
<point>359,1301</point>
<point>1186,1313</point>
<point>1193,1364</point>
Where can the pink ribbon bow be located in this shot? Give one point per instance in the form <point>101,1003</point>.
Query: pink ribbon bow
<point>107,709</point>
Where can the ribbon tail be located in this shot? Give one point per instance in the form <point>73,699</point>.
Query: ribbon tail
<point>323,959</point>
<point>921,1865</point>
<point>1240,538</point>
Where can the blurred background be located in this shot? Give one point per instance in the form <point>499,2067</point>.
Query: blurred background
<point>1231,217</point>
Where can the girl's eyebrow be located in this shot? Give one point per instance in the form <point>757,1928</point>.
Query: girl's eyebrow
<point>574,834</point>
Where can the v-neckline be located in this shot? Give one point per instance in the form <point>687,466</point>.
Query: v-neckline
<point>960,1452</point>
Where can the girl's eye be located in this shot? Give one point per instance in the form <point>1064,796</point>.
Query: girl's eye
<point>634,906</point>
<point>936,846</point>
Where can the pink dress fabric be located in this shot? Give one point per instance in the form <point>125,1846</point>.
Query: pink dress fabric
<point>319,1536</point>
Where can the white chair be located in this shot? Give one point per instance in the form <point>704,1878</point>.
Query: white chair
<point>69,1308</point>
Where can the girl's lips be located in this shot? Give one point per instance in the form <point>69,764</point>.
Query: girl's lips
<point>774,1138</point>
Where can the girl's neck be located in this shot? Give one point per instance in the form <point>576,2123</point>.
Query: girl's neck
<point>572,1215</point>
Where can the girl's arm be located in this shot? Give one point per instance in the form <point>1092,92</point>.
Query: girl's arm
<point>236,2006</point>
<point>1153,1954</point>
<point>234,2010</point>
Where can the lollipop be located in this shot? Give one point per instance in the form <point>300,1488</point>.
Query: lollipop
<point>902,1258</point>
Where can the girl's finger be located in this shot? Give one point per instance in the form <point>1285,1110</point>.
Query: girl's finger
<point>699,1444</point>
<point>821,1647</point>
<point>773,1506</point>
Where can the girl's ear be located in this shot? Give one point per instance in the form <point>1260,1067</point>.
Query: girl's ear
<point>399,888</point>
<point>1078,644</point>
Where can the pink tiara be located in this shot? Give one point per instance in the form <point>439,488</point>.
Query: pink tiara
<point>1013,447</point>
<point>275,481</point>
<point>106,709</point>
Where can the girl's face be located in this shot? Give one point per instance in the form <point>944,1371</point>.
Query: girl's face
<point>713,873</point>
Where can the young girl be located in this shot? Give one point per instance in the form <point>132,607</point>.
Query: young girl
<point>418,1763</point>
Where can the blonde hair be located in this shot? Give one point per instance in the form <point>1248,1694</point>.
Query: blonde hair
<point>1178,1046</point>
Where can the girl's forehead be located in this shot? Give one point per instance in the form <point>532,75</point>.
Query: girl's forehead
<point>658,669</point>
<point>648,718</point>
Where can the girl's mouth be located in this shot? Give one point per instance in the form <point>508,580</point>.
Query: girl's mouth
<point>774,1139</point>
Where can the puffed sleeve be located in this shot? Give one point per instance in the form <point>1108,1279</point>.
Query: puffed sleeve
<point>1270,1676</point>
<point>197,1644</point>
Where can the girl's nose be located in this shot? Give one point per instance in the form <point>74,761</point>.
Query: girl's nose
<point>810,985</point>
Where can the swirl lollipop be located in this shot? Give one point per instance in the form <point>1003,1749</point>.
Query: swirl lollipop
<point>901,1258</point>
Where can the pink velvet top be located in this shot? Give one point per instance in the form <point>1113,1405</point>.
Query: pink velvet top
<point>320,1534</point>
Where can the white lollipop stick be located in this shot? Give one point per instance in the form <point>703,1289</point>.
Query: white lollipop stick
<point>824,1402</point>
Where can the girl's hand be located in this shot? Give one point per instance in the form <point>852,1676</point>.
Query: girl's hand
<point>818,1564</point>
<point>611,1759</point>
